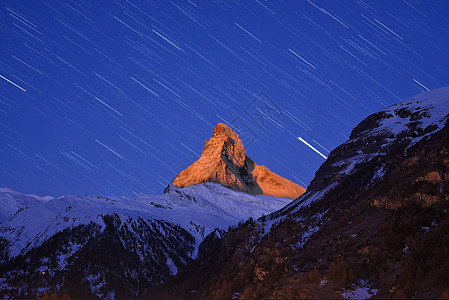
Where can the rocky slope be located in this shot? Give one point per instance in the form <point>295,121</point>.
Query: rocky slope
<point>114,247</point>
<point>374,221</point>
<point>223,160</point>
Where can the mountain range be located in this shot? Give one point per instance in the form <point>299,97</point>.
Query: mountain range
<point>373,223</point>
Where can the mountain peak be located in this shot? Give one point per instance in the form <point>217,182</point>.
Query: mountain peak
<point>223,160</point>
<point>223,129</point>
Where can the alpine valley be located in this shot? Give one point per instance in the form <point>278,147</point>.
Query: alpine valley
<point>373,222</point>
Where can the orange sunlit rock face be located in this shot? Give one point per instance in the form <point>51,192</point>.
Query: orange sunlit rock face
<point>274,185</point>
<point>223,160</point>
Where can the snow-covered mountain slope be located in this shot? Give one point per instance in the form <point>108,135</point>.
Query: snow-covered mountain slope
<point>161,232</point>
<point>11,201</point>
<point>199,209</point>
<point>223,160</point>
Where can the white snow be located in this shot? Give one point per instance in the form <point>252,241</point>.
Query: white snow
<point>96,281</point>
<point>435,103</point>
<point>62,257</point>
<point>379,173</point>
<point>322,282</point>
<point>11,201</point>
<point>41,198</point>
<point>431,108</point>
<point>199,209</point>
<point>362,290</point>
<point>172,266</point>
<point>353,161</point>
<point>308,199</point>
<point>306,236</point>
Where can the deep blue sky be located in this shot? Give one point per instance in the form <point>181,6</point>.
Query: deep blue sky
<point>117,97</point>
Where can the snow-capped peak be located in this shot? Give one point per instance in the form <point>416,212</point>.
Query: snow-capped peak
<point>223,160</point>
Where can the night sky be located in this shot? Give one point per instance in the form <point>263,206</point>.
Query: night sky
<point>117,97</point>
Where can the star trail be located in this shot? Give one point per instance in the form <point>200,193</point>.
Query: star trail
<point>117,97</point>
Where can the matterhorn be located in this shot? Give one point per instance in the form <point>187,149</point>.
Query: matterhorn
<point>224,161</point>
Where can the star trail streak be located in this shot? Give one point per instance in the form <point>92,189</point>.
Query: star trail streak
<point>16,85</point>
<point>311,147</point>
<point>116,97</point>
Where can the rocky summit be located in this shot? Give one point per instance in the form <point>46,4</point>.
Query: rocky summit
<point>224,161</point>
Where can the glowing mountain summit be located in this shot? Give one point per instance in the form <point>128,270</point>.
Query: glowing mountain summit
<point>223,160</point>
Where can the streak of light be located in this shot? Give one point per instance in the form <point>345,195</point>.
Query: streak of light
<point>109,149</point>
<point>300,181</point>
<point>302,58</point>
<point>75,160</point>
<point>136,31</point>
<point>420,84</point>
<point>144,86</point>
<point>248,32</point>
<point>167,88</point>
<point>389,29</point>
<point>85,160</point>
<point>166,39</point>
<point>266,8</point>
<point>327,13</point>
<point>56,167</point>
<point>108,106</point>
<point>107,81</point>
<point>196,154</point>
<point>311,147</point>
<point>34,69</point>
<point>18,86</point>
<point>320,145</point>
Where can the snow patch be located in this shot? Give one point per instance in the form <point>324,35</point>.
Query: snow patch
<point>429,109</point>
<point>308,199</point>
<point>352,162</point>
<point>96,282</point>
<point>63,257</point>
<point>322,282</point>
<point>306,236</point>
<point>361,290</point>
<point>379,173</point>
<point>172,266</point>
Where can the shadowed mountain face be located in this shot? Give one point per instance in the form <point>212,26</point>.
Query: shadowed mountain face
<point>223,160</point>
<point>373,221</point>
